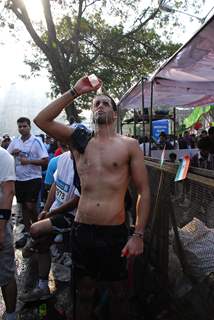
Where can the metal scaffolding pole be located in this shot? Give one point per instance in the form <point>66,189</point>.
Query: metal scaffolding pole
<point>150,118</point>
<point>143,114</point>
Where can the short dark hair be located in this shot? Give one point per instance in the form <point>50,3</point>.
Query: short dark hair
<point>114,106</point>
<point>211,131</point>
<point>204,143</point>
<point>113,103</point>
<point>172,156</point>
<point>23,119</point>
<point>163,134</point>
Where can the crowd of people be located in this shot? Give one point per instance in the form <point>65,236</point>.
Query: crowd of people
<point>203,143</point>
<point>87,184</point>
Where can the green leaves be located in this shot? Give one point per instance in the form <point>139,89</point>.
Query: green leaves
<point>108,38</point>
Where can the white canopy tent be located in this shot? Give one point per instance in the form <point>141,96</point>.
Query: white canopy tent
<point>186,79</point>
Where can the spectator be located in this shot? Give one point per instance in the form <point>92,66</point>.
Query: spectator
<point>57,217</point>
<point>189,140</point>
<point>203,133</point>
<point>6,141</point>
<point>163,141</point>
<point>172,157</point>
<point>52,166</point>
<point>58,150</point>
<point>30,155</point>
<point>203,159</point>
<point>7,257</point>
<point>182,142</point>
<point>211,137</point>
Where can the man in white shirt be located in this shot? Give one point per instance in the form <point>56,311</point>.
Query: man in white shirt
<point>30,154</point>
<point>57,217</point>
<point>7,258</point>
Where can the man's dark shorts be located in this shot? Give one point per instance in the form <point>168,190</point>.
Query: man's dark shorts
<point>62,222</point>
<point>28,191</point>
<point>96,251</point>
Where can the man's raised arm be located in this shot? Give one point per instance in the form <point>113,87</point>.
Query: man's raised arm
<point>45,119</point>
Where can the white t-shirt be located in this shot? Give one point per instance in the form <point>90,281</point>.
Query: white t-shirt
<point>64,178</point>
<point>7,166</point>
<point>7,173</point>
<point>33,149</point>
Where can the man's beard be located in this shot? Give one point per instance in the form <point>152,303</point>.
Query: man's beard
<point>102,119</point>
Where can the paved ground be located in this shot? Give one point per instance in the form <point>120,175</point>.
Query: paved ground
<point>26,278</point>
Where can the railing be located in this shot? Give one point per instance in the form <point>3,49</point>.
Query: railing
<point>174,204</point>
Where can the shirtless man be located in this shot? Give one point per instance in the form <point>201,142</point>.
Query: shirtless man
<point>105,161</point>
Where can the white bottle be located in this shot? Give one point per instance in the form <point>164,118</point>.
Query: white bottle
<point>93,80</point>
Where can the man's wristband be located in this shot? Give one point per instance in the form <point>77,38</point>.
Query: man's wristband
<point>5,214</point>
<point>139,235</point>
<point>73,92</point>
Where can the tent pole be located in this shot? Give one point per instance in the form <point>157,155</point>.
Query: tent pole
<point>174,120</point>
<point>118,119</point>
<point>135,124</point>
<point>150,118</point>
<point>143,115</point>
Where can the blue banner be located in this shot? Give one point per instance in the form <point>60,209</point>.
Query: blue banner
<point>159,126</point>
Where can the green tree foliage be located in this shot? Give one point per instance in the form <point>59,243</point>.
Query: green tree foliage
<point>75,39</point>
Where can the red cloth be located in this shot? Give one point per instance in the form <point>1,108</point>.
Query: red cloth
<point>58,152</point>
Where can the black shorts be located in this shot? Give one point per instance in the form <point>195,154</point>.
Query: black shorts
<point>96,251</point>
<point>28,191</point>
<point>62,222</point>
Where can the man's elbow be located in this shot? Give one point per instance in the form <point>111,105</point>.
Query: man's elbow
<point>37,120</point>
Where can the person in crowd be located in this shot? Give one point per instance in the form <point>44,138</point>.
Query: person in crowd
<point>52,166</point>
<point>189,140</point>
<point>30,155</point>
<point>6,141</point>
<point>211,137</point>
<point>105,162</point>
<point>52,148</point>
<point>47,142</point>
<point>7,257</point>
<point>204,158</point>
<point>182,142</point>
<point>203,134</point>
<point>172,157</point>
<point>193,141</point>
<point>57,217</point>
<point>163,141</point>
<point>144,144</point>
<point>58,150</point>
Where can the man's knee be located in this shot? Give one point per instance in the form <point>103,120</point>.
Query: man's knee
<point>41,228</point>
<point>35,230</point>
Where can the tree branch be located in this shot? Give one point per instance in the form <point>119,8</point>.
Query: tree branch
<point>52,37</point>
<point>77,32</point>
<point>142,24</point>
<point>90,4</point>
<point>19,9</point>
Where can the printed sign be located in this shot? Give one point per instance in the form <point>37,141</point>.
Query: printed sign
<point>159,126</point>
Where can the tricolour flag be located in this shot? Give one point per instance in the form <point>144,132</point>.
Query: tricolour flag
<point>183,168</point>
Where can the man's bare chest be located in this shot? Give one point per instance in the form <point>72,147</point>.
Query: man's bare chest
<point>100,158</point>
